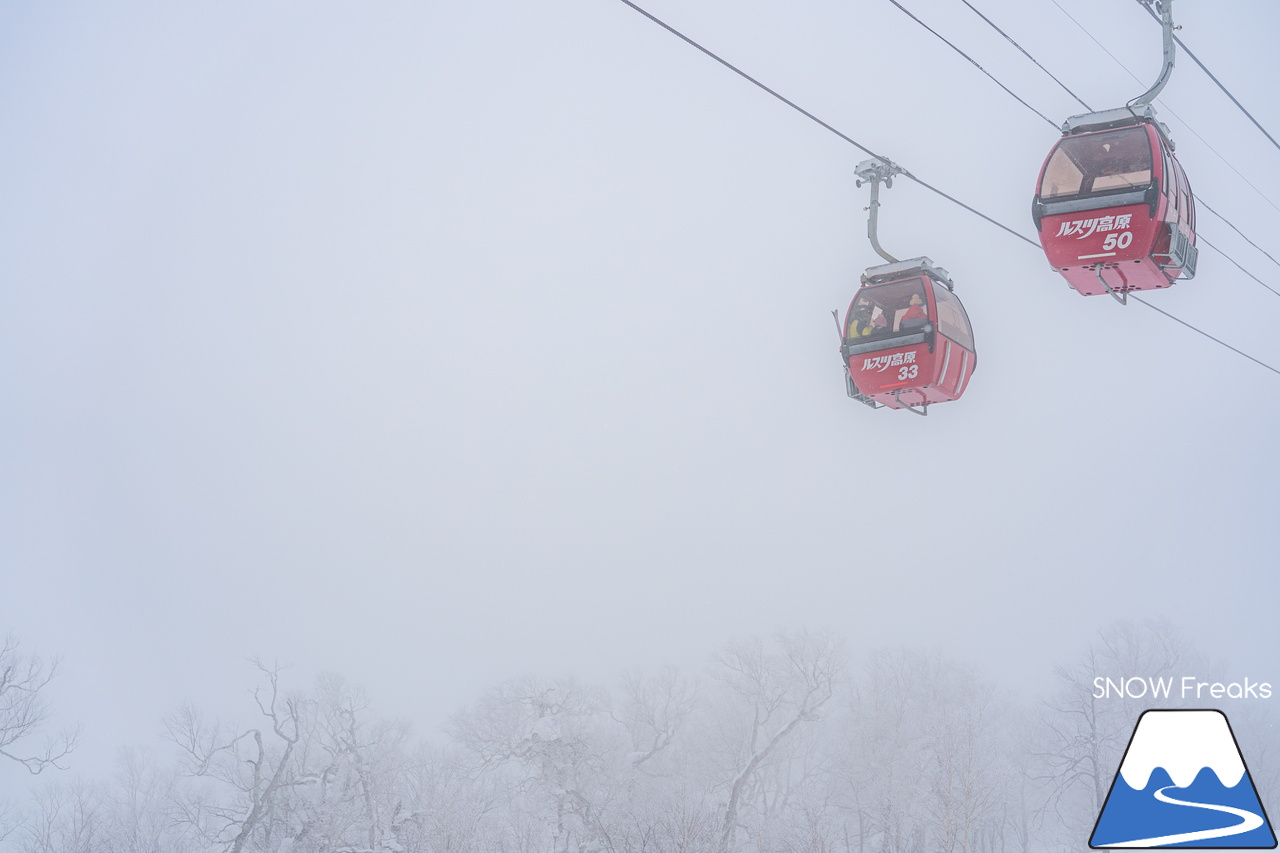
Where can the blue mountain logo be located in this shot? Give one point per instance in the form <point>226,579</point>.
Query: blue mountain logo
<point>1183,783</point>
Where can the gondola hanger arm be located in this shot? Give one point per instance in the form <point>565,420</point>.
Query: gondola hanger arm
<point>874,171</point>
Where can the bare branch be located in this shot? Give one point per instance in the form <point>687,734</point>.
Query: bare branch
<point>23,709</point>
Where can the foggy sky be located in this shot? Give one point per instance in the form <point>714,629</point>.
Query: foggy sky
<point>437,344</point>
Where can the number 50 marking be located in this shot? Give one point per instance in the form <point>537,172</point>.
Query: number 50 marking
<point>1117,241</point>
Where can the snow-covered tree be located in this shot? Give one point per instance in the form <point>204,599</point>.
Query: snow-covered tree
<point>555,745</point>
<point>23,710</point>
<point>64,818</point>
<point>925,762</point>
<point>1083,736</point>
<point>254,770</point>
<point>765,694</point>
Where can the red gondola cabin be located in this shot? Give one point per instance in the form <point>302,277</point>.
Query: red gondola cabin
<point>1113,207</point>
<point>907,339</point>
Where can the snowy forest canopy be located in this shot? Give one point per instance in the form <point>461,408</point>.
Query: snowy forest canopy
<point>783,745</point>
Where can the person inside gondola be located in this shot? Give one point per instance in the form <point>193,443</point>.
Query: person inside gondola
<point>915,316</point>
<point>861,325</point>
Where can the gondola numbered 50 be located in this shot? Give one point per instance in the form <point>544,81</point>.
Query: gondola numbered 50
<point>1114,210</point>
<point>1113,207</point>
<point>907,339</point>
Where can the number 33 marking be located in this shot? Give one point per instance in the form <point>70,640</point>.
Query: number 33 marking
<point>909,372</point>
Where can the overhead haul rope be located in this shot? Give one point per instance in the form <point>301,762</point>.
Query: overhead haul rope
<point>744,75</point>
<point>1189,128</point>
<point>1202,238</point>
<point>1193,132</point>
<point>1203,332</point>
<point>1009,39</point>
<point>974,62</point>
<point>1238,231</point>
<point>1199,200</point>
<point>1197,61</point>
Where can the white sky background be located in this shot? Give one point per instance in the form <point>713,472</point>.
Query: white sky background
<point>436,344</point>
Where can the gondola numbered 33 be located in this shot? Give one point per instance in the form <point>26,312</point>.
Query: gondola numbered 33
<point>907,339</point>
